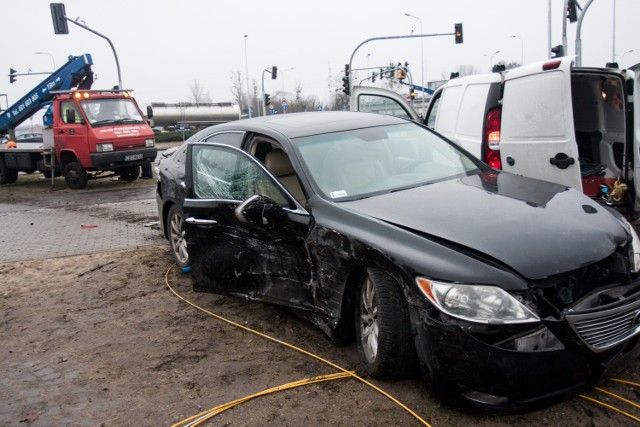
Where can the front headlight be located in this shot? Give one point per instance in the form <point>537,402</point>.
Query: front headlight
<point>103,148</point>
<point>634,247</point>
<point>150,142</point>
<point>476,303</point>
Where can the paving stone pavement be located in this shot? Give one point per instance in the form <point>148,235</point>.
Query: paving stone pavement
<point>33,233</point>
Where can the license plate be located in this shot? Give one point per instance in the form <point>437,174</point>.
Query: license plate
<point>132,157</point>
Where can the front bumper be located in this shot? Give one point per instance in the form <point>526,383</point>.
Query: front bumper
<point>119,159</point>
<point>461,363</point>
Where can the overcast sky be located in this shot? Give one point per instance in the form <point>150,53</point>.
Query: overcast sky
<point>164,46</point>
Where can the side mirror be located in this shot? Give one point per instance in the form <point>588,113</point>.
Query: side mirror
<point>259,210</point>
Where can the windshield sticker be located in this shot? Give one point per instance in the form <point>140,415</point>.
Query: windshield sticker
<point>336,194</point>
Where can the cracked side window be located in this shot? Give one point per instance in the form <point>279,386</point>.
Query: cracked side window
<point>223,173</point>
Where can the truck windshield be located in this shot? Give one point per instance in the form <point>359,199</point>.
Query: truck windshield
<point>103,112</point>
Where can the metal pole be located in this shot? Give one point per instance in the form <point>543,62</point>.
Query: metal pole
<point>622,58</point>
<point>110,44</point>
<point>521,48</point>
<point>421,59</point>
<point>389,38</point>
<point>246,68</point>
<point>578,31</point>
<point>613,31</point>
<point>52,60</point>
<point>549,31</point>
<point>564,29</point>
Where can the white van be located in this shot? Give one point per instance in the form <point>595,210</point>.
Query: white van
<point>549,120</point>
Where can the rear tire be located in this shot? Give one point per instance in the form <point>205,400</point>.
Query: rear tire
<point>175,233</point>
<point>383,328</point>
<point>7,176</point>
<point>130,173</point>
<point>75,176</point>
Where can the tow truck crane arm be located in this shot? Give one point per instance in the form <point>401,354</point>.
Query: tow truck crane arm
<point>76,73</point>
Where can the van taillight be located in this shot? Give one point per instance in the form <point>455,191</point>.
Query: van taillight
<point>492,139</point>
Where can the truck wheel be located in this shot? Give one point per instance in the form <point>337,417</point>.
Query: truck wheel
<point>130,173</point>
<point>7,176</point>
<point>75,176</point>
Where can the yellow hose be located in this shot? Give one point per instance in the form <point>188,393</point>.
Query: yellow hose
<point>291,346</point>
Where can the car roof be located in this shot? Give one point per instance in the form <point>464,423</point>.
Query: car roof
<point>295,125</point>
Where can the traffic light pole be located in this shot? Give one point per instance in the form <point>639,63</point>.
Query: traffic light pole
<point>578,31</point>
<point>414,36</point>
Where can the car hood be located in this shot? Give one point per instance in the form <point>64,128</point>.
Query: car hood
<point>535,227</point>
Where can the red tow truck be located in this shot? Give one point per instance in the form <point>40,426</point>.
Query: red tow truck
<point>89,134</point>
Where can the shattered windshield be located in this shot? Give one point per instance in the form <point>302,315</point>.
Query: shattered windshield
<point>224,173</point>
<point>111,111</point>
<point>364,162</point>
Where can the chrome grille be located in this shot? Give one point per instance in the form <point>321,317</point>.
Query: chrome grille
<point>604,329</point>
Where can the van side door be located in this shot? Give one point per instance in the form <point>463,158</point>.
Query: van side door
<point>537,132</point>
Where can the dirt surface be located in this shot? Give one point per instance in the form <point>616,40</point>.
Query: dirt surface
<point>100,340</point>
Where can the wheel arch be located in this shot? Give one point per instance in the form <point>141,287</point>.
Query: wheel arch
<point>67,157</point>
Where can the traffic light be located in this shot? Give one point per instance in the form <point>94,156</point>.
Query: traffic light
<point>373,77</point>
<point>458,33</point>
<point>557,51</point>
<point>382,73</point>
<point>12,75</point>
<point>345,81</point>
<point>572,14</point>
<point>59,17</point>
<point>274,72</point>
<point>412,93</point>
<point>345,86</point>
<point>267,99</point>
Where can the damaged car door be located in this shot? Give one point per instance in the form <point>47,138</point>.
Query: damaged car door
<point>246,236</point>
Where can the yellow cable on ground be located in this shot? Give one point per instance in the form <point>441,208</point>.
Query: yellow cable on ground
<point>291,346</point>
<point>618,397</point>
<point>625,382</point>
<point>613,408</point>
<point>206,415</point>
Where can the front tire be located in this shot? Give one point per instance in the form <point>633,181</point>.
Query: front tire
<point>383,328</point>
<point>175,232</point>
<point>75,176</point>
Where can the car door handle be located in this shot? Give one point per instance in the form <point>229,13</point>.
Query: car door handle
<point>196,221</point>
<point>562,161</point>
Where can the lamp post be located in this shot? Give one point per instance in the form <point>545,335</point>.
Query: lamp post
<point>521,48</point>
<point>490,56</point>
<point>282,74</point>
<point>246,67</point>
<point>622,58</point>
<point>52,60</point>
<point>421,52</point>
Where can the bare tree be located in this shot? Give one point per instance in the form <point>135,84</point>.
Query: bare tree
<point>198,93</point>
<point>236,88</point>
<point>467,70</point>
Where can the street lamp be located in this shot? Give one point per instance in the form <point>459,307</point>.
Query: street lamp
<point>490,56</point>
<point>622,58</point>
<point>521,48</point>
<point>246,68</point>
<point>282,74</point>
<point>52,60</point>
<point>421,52</point>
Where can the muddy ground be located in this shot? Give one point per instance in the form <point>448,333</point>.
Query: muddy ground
<point>100,340</point>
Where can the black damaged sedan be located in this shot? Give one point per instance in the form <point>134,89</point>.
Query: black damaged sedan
<point>504,291</point>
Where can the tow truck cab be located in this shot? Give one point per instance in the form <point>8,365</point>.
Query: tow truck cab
<point>575,126</point>
<point>98,131</point>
